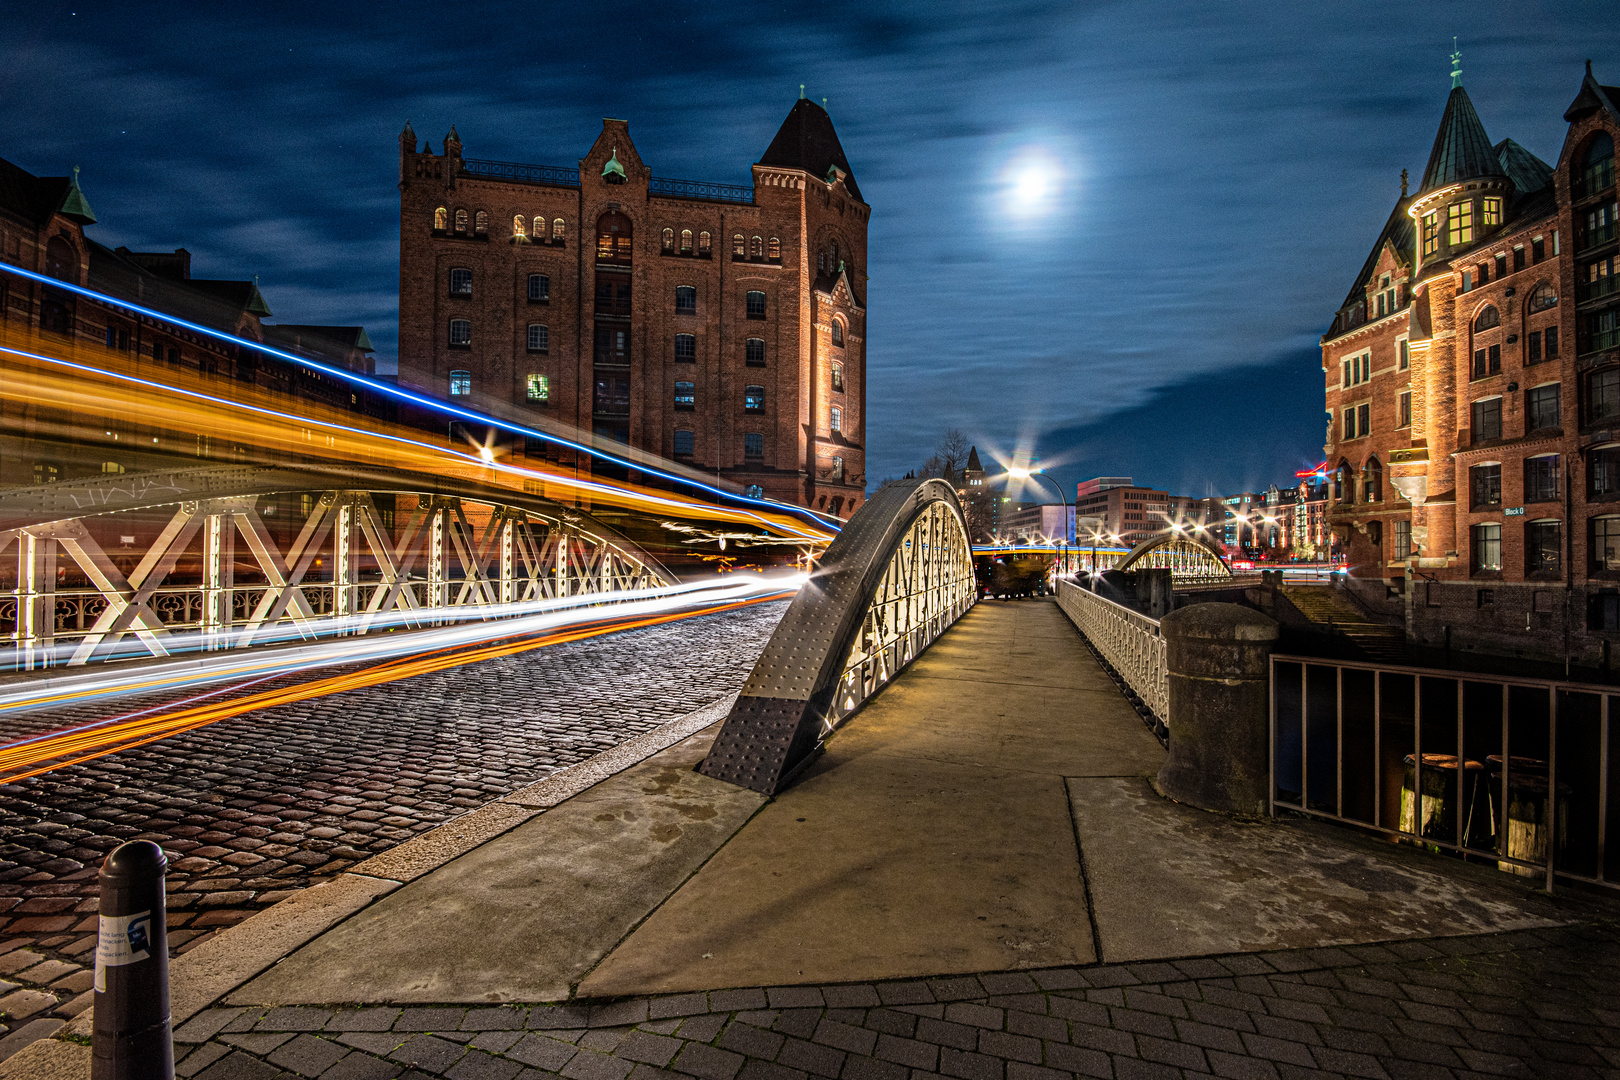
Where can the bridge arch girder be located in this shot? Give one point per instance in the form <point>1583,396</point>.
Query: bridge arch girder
<point>1188,557</point>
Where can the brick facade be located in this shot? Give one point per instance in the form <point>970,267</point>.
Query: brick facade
<point>643,289</point>
<point>1466,433</point>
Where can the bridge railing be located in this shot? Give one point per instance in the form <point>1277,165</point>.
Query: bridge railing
<point>1129,641</point>
<point>897,577</point>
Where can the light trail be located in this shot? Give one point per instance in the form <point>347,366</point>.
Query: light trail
<point>539,617</point>
<point>75,746</point>
<point>445,408</point>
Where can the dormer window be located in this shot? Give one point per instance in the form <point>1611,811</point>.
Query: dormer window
<point>1490,212</point>
<point>1460,223</point>
<point>1431,232</point>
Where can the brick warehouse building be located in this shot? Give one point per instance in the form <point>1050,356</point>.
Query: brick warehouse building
<point>1473,393</point>
<point>723,327</point>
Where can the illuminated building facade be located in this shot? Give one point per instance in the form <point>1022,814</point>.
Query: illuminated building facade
<point>1472,382</point>
<point>722,327</point>
<point>1131,514</point>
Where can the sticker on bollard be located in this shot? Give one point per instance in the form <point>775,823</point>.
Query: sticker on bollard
<point>130,1037</point>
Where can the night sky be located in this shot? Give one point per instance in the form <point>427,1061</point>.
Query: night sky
<point>1108,233</point>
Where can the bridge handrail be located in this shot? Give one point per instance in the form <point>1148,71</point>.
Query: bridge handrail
<point>1130,642</point>
<point>899,574</point>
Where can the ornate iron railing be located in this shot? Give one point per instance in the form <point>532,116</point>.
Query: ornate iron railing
<point>1129,641</point>
<point>700,189</point>
<point>899,574</point>
<point>550,175</point>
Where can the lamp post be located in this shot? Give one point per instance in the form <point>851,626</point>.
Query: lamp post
<point>1017,472</point>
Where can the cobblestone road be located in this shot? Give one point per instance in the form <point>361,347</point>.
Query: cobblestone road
<point>1528,1003</point>
<point>254,808</point>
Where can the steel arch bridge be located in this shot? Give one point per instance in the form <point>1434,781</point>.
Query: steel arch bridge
<point>1189,559</point>
<point>244,555</point>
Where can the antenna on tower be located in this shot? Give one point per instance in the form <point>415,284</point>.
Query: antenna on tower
<point>1456,64</point>
<point>801,91</point>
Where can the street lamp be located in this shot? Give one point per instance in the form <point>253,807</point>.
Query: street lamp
<point>1018,472</point>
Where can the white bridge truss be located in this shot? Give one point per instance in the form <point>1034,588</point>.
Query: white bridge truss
<point>1189,561</point>
<point>349,570</point>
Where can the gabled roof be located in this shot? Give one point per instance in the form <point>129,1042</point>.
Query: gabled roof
<point>36,198</point>
<point>217,304</point>
<point>1462,150</point>
<point>320,338</point>
<point>806,140</point>
<point>1593,96</point>
<point>1397,232</point>
<point>242,295</point>
<point>1528,172</point>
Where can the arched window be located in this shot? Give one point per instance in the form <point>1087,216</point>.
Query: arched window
<point>686,347</point>
<point>686,241</point>
<point>61,261</point>
<point>838,377</point>
<point>835,419</point>
<point>832,258</point>
<point>753,447</point>
<point>669,241</point>
<point>1487,319</point>
<point>775,249</point>
<point>754,352</point>
<point>460,281</point>
<point>1372,481</point>
<point>539,338</point>
<point>461,221</point>
<point>1544,297</point>
<point>756,248</point>
<point>460,333</point>
<point>685,440</point>
<point>1596,169</point>
<point>557,231</point>
<point>481,223</point>
<point>755,305</point>
<point>441,219</point>
<point>1344,483</point>
<point>685,396</point>
<point>754,399</point>
<point>739,246</point>
<point>686,300</point>
<point>460,383</point>
<point>614,236</point>
<point>838,331</point>
<point>703,244</point>
<point>518,231</point>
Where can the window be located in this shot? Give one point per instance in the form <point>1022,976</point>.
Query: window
<point>1364,418</point>
<point>837,472</point>
<point>519,228</point>
<point>612,345</point>
<point>460,383</point>
<point>612,294</point>
<point>1599,226</point>
<point>1606,543</point>
<point>1487,547</point>
<point>774,250</point>
<point>1460,223</point>
<point>1487,362</point>
<point>111,467</point>
<point>1544,297</point>
<point>1487,420</point>
<point>1542,404</point>
<point>538,387</point>
<point>1501,265</point>
<point>1593,281</point>
<point>1542,548</point>
<point>539,337</point>
<point>685,300</point>
<point>1541,478</point>
<point>1603,471</point>
<point>612,398</point>
<point>614,238</point>
<point>1400,539</point>
<point>1431,232</point>
<point>1603,396</point>
<point>838,332</point>
<point>1518,258</point>
<point>1488,318</point>
<point>738,246</point>
<point>754,399</point>
<point>669,241</point>
<point>441,219</point>
<point>1403,409</point>
<point>1467,280</point>
<point>1551,335</point>
<point>686,347</point>
<point>481,223</point>
<point>838,376</point>
<point>1350,423</point>
<point>1344,484</point>
<point>1538,249</point>
<point>754,352</point>
<point>1532,349</point>
<point>1490,213</point>
<point>754,447</point>
<point>703,245</point>
<point>557,231</point>
<point>539,289</point>
<point>686,241</point>
<point>1603,330</point>
<point>461,221</point>
<point>1356,370</point>
<point>685,396</point>
<point>756,305</point>
<point>1372,481</point>
<point>756,248</point>
<point>1405,361</point>
<point>460,332</point>
<point>1485,486</point>
<point>684,442</point>
<point>754,491</point>
<point>835,419</point>
<point>1597,166</point>
<point>460,282</point>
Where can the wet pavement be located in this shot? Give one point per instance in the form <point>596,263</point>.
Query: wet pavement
<point>253,809</point>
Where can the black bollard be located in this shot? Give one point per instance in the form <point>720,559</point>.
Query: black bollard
<point>131,1038</point>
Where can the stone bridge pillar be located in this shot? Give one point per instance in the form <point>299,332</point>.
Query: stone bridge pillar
<point>1219,659</point>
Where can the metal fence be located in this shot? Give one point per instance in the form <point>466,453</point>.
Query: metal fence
<point>1129,641</point>
<point>700,189</point>
<point>1511,770</point>
<point>552,175</point>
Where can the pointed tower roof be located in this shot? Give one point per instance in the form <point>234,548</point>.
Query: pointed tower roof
<point>973,460</point>
<point>1593,96</point>
<point>806,140</point>
<point>75,205</point>
<point>1462,150</point>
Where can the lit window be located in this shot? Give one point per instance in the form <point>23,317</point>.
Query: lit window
<point>838,376</point>
<point>441,219</point>
<point>1541,478</point>
<point>753,444</point>
<point>1543,405</point>
<point>703,243</point>
<point>1485,486</point>
<point>111,467</point>
<point>838,332</point>
<point>1545,296</point>
<point>754,352</point>
<point>756,248</point>
<point>756,305</point>
<point>460,282</point>
<point>481,223</point>
<point>1488,547</point>
<point>835,419</point>
<point>1603,471</point>
<point>460,332</point>
<point>1431,233</point>
<point>669,241</point>
<point>557,231</point>
<point>1460,223</point>
<point>460,383</point>
<point>539,387</point>
<point>684,442</point>
<point>518,228</point>
<point>685,396</point>
<point>539,288</point>
<point>539,337</point>
<point>738,246</point>
<point>686,241</point>
<point>685,347</point>
<point>461,221</point>
<point>837,469</point>
<point>775,250</point>
<point>754,399</point>
<point>1400,539</point>
<point>1490,212</point>
<point>1606,543</point>
<point>685,300</point>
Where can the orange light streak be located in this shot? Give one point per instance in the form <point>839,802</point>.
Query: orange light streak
<point>43,756</point>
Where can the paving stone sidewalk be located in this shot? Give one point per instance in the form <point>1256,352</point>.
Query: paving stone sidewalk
<point>1538,1003</point>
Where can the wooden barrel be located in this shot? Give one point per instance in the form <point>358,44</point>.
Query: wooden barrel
<point>1434,815</point>
<point>1527,813</point>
